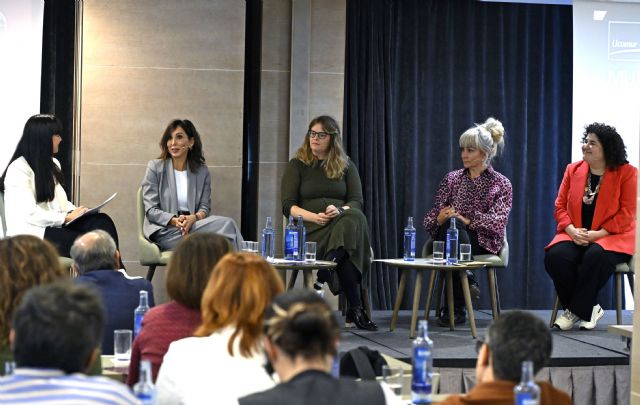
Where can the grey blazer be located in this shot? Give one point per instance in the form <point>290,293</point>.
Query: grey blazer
<point>161,198</point>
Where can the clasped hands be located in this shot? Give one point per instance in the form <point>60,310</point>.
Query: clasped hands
<point>184,223</point>
<point>583,236</point>
<point>323,218</point>
<point>449,212</point>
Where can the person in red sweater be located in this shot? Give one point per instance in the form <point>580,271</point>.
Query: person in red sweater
<point>187,275</point>
<point>514,337</point>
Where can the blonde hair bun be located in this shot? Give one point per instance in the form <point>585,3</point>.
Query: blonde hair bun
<point>495,128</point>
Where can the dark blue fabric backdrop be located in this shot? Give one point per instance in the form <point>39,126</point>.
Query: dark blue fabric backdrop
<point>418,74</point>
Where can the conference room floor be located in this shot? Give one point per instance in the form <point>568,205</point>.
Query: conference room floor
<point>457,348</point>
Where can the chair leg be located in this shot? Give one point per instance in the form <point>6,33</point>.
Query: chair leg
<point>619,298</point>
<point>630,278</point>
<point>439,291</point>
<point>554,312</point>
<point>467,301</point>
<point>493,291</point>
<point>416,303</point>
<point>150,272</point>
<point>396,306</point>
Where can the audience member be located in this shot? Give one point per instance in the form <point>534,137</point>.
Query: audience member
<point>177,191</point>
<point>514,337</point>
<point>187,275</point>
<point>35,201</point>
<point>95,258</point>
<point>301,338</point>
<point>25,261</point>
<point>225,360</point>
<point>478,199</point>
<point>322,185</point>
<point>55,337</point>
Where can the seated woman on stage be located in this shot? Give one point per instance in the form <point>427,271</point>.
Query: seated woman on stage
<point>225,360</point>
<point>322,185</point>
<point>302,336</point>
<point>478,198</point>
<point>187,275</point>
<point>177,191</point>
<point>35,202</point>
<point>596,215</point>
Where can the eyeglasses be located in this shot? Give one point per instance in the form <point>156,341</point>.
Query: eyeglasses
<point>320,135</point>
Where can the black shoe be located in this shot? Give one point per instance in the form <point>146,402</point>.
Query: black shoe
<point>474,288</point>
<point>459,317</point>
<point>359,317</point>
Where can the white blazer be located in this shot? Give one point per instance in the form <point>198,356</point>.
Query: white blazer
<point>23,214</point>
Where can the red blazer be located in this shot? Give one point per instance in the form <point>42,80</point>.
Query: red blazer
<point>615,208</point>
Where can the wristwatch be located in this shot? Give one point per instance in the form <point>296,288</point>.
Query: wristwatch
<point>340,210</point>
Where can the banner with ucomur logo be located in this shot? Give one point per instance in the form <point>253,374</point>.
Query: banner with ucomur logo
<point>624,41</point>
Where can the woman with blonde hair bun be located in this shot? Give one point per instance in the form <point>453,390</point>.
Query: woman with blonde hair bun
<point>477,198</point>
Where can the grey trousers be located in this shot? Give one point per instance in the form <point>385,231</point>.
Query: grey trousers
<point>169,237</point>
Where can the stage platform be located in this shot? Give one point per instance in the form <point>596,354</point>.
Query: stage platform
<point>456,349</point>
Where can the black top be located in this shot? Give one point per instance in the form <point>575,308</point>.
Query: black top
<point>589,209</point>
<point>314,387</point>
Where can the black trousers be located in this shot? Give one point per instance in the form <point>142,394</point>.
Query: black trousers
<point>63,237</point>
<point>349,276</point>
<point>467,236</point>
<point>579,272</point>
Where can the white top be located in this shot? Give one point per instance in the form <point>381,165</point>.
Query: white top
<point>200,370</point>
<point>25,216</point>
<point>182,185</point>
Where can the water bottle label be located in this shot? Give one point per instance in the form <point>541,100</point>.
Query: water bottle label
<point>525,398</point>
<point>146,398</point>
<point>137,324</point>
<point>421,377</point>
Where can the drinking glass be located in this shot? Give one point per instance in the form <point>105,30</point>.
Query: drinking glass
<point>249,246</point>
<point>310,252</point>
<point>122,344</point>
<point>438,250</point>
<point>393,377</point>
<point>465,252</point>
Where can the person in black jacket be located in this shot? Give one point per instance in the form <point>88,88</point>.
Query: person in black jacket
<point>301,338</point>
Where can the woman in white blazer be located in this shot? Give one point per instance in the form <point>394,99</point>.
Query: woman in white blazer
<point>176,190</point>
<point>35,201</point>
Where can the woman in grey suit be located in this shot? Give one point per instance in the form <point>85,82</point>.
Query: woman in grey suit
<point>177,191</point>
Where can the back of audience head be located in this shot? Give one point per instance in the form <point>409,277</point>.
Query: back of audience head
<point>301,324</point>
<point>239,291</point>
<point>25,261</point>
<point>191,264</point>
<point>514,337</point>
<point>58,326</point>
<point>95,250</point>
<point>487,137</point>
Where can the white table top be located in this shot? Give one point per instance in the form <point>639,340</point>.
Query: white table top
<point>429,263</point>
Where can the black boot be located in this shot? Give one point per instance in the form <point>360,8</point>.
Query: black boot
<point>359,317</point>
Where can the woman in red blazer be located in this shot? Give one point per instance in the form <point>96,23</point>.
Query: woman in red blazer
<point>596,215</point>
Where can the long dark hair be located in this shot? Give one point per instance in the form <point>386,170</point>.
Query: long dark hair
<point>195,157</point>
<point>36,147</point>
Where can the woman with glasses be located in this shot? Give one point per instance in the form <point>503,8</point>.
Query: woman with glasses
<point>322,185</point>
<point>35,200</point>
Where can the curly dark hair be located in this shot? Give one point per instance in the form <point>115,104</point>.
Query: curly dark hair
<point>615,153</point>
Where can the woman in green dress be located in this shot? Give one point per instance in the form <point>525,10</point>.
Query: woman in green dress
<point>322,185</point>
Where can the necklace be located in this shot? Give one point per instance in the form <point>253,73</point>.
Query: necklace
<point>589,195</point>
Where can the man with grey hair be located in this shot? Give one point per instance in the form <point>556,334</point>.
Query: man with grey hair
<point>95,260</point>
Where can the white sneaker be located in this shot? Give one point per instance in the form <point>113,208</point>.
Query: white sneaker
<point>566,320</point>
<point>596,314</point>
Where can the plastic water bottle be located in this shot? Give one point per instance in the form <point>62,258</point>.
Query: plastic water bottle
<point>422,367</point>
<point>527,392</point>
<point>139,312</point>
<point>144,389</point>
<point>452,243</point>
<point>302,237</point>
<point>410,241</point>
<point>290,240</point>
<point>268,241</point>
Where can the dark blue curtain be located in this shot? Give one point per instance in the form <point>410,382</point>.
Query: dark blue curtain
<point>418,74</point>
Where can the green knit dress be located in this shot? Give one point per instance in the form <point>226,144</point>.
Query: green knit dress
<point>308,187</point>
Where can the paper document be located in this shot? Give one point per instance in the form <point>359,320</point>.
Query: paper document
<point>93,210</point>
